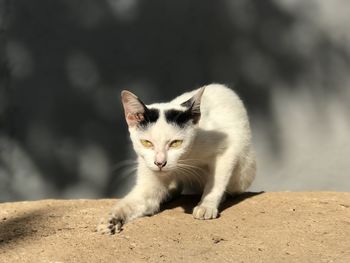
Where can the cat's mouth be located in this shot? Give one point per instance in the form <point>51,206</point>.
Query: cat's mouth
<point>162,170</point>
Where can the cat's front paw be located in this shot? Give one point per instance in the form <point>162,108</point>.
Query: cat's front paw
<point>111,225</point>
<point>205,212</point>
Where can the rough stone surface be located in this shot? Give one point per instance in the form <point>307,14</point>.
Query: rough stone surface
<point>265,227</point>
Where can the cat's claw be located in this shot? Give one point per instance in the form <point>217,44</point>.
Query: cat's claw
<point>110,226</point>
<point>205,212</point>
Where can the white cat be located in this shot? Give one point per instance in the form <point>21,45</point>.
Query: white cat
<point>199,140</point>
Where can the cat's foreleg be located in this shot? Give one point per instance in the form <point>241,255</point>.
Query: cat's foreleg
<point>215,187</point>
<point>175,189</point>
<point>143,200</point>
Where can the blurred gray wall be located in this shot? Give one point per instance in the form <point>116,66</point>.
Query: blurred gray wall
<point>63,64</point>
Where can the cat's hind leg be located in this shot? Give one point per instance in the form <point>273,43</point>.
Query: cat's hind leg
<point>243,174</point>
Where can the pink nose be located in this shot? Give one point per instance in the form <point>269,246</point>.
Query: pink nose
<point>160,164</point>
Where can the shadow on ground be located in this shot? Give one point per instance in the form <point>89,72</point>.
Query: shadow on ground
<point>188,202</point>
<point>20,227</point>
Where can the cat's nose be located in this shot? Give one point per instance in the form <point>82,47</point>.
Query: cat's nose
<point>160,164</point>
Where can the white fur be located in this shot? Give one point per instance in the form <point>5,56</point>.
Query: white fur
<point>215,157</point>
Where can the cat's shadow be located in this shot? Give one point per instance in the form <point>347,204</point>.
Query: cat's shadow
<point>188,202</point>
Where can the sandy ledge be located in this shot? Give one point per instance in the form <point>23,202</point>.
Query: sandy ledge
<point>265,227</point>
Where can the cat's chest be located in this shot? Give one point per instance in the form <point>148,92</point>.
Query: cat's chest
<point>207,145</point>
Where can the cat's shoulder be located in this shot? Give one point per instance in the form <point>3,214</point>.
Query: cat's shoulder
<point>211,90</point>
<point>219,90</point>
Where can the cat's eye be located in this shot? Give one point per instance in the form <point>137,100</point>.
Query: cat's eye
<point>175,144</point>
<point>146,144</point>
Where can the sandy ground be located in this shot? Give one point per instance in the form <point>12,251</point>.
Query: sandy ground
<point>266,227</point>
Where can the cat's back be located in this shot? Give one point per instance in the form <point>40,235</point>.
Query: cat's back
<point>220,106</point>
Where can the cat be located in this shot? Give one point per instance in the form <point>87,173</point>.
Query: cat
<point>200,140</point>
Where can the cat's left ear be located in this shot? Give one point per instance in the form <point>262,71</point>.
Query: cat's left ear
<point>134,108</point>
<point>194,105</point>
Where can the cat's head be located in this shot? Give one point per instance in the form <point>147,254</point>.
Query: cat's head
<point>162,133</point>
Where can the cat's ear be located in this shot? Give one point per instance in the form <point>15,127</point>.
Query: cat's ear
<point>196,101</point>
<point>194,105</point>
<point>134,108</point>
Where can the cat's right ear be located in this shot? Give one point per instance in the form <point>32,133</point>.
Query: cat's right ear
<point>134,108</point>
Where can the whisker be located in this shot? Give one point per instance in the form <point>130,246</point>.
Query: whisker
<point>127,172</point>
<point>191,174</point>
<point>184,160</point>
<point>193,167</point>
<point>122,164</point>
<point>185,176</point>
<point>123,170</point>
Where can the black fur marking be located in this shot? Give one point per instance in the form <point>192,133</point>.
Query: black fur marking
<point>149,116</point>
<point>180,118</point>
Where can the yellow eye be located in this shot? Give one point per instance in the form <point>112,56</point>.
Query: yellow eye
<point>175,144</point>
<point>146,143</point>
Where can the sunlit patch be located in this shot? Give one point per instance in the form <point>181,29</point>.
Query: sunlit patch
<point>125,10</point>
<point>20,59</point>
<point>82,71</point>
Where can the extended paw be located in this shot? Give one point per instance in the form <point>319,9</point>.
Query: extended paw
<point>205,212</point>
<point>110,226</point>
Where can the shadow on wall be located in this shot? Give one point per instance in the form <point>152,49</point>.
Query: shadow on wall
<point>65,134</point>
